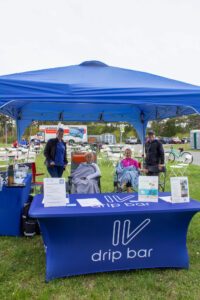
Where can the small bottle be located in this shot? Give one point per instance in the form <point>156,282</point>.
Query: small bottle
<point>10,175</point>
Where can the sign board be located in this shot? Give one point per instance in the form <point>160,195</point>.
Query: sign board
<point>148,189</point>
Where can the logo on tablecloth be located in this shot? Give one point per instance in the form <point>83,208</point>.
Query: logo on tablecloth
<point>122,235</point>
<point>114,200</point>
<point>127,235</point>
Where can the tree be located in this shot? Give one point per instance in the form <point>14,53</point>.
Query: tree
<point>170,129</point>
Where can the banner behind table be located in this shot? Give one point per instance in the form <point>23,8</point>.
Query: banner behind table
<point>11,205</point>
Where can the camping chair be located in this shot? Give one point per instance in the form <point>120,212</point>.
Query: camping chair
<point>162,179</point>
<point>116,180</point>
<point>36,185</point>
<point>76,159</point>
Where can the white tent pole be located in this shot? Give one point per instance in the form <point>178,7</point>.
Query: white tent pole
<point>29,144</point>
<point>142,121</point>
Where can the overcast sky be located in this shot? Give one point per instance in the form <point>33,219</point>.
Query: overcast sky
<point>155,36</point>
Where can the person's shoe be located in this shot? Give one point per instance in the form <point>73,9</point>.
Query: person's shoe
<point>119,190</point>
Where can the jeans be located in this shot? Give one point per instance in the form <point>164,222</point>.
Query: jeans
<point>55,171</point>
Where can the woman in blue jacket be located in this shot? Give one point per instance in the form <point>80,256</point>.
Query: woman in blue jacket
<point>55,153</point>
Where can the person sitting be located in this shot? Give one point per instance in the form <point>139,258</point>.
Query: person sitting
<point>15,144</point>
<point>23,143</point>
<point>127,170</point>
<point>83,178</point>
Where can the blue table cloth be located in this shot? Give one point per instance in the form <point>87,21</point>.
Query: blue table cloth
<point>122,234</point>
<point>11,205</point>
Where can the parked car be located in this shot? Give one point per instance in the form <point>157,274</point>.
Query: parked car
<point>165,140</point>
<point>131,140</point>
<point>176,141</point>
<point>185,140</point>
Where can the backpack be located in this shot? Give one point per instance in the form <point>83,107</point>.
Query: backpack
<point>29,226</point>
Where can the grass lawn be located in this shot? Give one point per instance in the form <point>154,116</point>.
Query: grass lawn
<point>186,147</point>
<point>22,266</point>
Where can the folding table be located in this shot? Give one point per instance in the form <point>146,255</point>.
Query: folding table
<point>120,234</point>
<point>12,201</point>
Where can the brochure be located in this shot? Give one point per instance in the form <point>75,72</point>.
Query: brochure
<point>148,189</point>
<point>179,189</point>
<point>55,192</point>
<point>92,202</point>
<point>166,198</point>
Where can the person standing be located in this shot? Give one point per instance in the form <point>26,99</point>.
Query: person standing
<point>55,153</point>
<point>155,156</point>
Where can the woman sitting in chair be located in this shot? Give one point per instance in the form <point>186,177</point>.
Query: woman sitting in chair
<point>83,178</point>
<point>127,170</point>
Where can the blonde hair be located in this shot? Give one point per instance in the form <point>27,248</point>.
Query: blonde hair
<point>89,153</point>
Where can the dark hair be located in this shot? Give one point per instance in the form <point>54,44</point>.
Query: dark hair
<point>151,132</point>
<point>60,130</point>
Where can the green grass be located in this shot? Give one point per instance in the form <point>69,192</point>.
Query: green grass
<point>22,266</point>
<point>186,147</point>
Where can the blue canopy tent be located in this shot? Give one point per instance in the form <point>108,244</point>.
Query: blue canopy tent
<point>94,91</point>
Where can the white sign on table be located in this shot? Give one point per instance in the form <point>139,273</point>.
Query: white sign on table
<point>90,202</point>
<point>179,190</point>
<point>55,192</point>
<point>148,189</point>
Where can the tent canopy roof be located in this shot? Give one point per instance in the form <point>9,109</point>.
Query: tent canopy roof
<point>94,91</point>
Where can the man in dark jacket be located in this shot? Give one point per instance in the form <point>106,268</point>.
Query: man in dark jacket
<point>155,156</point>
<point>55,153</point>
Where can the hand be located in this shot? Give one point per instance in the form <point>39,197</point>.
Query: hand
<point>52,163</point>
<point>65,166</point>
<point>145,171</point>
<point>160,167</point>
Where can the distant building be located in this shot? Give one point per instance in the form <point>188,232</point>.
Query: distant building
<point>106,138</point>
<point>195,139</point>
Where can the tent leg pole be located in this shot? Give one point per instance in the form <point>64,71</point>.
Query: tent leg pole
<point>143,144</point>
<point>142,121</point>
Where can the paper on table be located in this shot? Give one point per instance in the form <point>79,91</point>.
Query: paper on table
<point>89,202</point>
<point>179,189</point>
<point>166,198</point>
<point>55,192</point>
<point>66,201</point>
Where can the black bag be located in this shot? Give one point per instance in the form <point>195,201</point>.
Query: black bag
<point>155,169</point>
<point>29,226</point>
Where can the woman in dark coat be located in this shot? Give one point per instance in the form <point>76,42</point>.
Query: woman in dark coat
<point>55,153</point>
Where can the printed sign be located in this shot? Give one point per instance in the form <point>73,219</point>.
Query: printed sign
<point>179,190</point>
<point>55,192</point>
<point>148,189</point>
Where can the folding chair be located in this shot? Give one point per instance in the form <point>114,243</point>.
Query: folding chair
<point>162,179</point>
<point>4,176</point>
<point>4,162</point>
<point>179,170</point>
<point>36,185</point>
<point>76,159</point>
